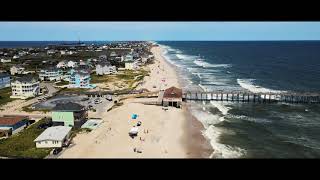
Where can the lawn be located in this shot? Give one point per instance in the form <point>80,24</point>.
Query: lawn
<point>21,145</point>
<point>62,83</point>
<point>5,94</point>
<point>101,79</point>
<point>128,77</point>
<point>73,90</point>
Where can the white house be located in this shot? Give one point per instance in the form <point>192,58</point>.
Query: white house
<point>71,52</point>
<point>25,87</point>
<point>72,64</point>
<point>113,54</point>
<point>80,79</point>
<point>51,51</point>
<point>17,70</point>
<point>62,52</point>
<point>50,74</point>
<point>15,57</point>
<point>5,60</point>
<point>62,64</point>
<point>53,137</point>
<point>4,80</point>
<point>129,57</point>
<point>82,63</point>
<point>105,68</point>
<point>22,53</point>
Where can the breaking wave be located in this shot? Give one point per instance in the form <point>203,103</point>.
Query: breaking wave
<point>249,85</point>
<point>208,65</point>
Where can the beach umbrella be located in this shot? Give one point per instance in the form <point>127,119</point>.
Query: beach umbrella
<point>134,116</point>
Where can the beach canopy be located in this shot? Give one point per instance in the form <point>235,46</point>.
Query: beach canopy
<point>134,116</point>
<point>133,131</point>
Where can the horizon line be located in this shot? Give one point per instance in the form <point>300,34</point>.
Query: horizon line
<point>157,40</point>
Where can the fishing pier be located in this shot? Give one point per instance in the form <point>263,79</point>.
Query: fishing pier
<point>247,96</point>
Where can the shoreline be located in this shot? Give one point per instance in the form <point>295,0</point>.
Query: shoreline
<point>197,145</point>
<point>173,133</point>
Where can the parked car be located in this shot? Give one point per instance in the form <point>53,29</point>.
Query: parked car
<point>57,151</point>
<point>97,101</point>
<point>45,125</point>
<point>109,98</point>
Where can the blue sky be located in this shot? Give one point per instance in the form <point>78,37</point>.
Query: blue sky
<point>33,31</point>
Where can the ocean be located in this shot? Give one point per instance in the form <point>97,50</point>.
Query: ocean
<point>42,44</point>
<point>248,130</point>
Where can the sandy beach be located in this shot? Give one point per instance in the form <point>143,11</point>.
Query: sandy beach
<point>163,134</point>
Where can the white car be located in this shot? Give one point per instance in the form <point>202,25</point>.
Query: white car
<point>97,101</point>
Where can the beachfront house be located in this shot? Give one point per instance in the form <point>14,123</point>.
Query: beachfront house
<point>4,80</point>
<point>50,74</point>
<point>17,69</point>
<point>12,124</point>
<point>172,97</point>
<point>129,63</point>
<point>53,137</point>
<point>129,57</point>
<point>105,68</point>
<point>25,87</point>
<point>69,114</point>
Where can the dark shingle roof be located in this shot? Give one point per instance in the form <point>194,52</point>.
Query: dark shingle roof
<point>104,63</point>
<point>70,106</point>
<point>27,78</point>
<point>172,92</point>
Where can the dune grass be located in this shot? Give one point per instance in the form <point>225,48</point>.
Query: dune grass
<point>21,145</point>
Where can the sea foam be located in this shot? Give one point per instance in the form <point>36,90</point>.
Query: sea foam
<point>249,85</point>
<point>209,65</point>
<point>221,150</point>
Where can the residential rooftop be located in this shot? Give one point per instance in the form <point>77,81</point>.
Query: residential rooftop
<point>11,120</point>
<point>70,106</point>
<point>27,79</point>
<point>56,133</point>
<point>172,92</point>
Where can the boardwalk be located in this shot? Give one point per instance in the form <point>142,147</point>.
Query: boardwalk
<point>246,96</point>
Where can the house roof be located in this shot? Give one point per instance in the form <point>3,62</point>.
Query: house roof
<point>70,106</point>
<point>104,63</point>
<point>17,66</point>
<point>50,69</point>
<point>172,92</point>
<point>27,78</point>
<point>2,75</point>
<point>11,120</point>
<point>56,133</point>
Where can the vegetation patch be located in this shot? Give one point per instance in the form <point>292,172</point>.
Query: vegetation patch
<point>21,145</point>
<point>5,94</point>
<point>62,83</point>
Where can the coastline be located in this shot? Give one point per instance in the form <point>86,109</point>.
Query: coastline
<point>174,133</point>
<point>196,144</point>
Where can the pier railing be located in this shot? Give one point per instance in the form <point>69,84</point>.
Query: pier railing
<point>246,96</point>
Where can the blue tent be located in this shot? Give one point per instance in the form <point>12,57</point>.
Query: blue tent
<point>134,116</point>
